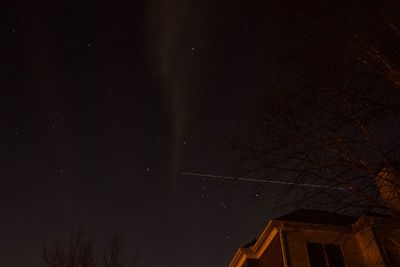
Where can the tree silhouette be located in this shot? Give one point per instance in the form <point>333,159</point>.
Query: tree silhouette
<point>78,251</point>
<point>336,121</point>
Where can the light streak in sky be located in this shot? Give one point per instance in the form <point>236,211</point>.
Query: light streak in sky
<point>260,180</point>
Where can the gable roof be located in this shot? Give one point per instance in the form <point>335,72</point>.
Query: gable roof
<point>313,217</point>
<point>318,217</point>
<point>255,248</point>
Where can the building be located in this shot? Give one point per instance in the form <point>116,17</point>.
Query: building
<point>309,238</point>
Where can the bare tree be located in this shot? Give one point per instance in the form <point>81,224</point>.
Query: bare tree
<point>336,123</point>
<point>78,251</point>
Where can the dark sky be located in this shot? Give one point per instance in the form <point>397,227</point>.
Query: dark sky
<point>103,104</point>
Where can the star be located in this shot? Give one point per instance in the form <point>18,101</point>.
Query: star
<point>222,204</point>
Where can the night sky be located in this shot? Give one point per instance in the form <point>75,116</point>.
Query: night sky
<point>103,104</point>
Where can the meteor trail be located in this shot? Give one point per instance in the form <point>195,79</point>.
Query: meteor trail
<point>260,180</point>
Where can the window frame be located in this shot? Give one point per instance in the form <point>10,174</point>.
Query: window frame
<point>324,251</point>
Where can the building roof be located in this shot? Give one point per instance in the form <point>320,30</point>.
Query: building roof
<point>313,217</point>
<point>318,217</point>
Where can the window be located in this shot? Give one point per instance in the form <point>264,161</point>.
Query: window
<point>394,256</point>
<point>392,249</point>
<point>325,255</point>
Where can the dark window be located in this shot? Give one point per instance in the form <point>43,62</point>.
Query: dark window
<point>316,255</point>
<point>394,256</point>
<point>392,249</point>
<point>334,255</point>
<point>324,255</point>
